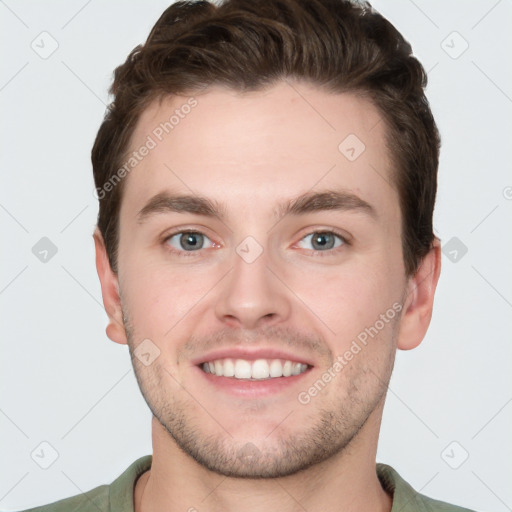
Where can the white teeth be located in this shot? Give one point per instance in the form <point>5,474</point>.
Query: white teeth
<point>260,369</point>
<point>242,369</point>
<point>257,370</point>
<point>296,367</point>
<point>276,368</point>
<point>229,368</point>
<point>218,368</point>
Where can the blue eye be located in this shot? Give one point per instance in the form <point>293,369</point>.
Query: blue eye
<point>322,241</point>
<point>189,241</point>
<point>193,241</point>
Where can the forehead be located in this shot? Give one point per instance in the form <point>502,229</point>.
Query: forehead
<point>251,149</point>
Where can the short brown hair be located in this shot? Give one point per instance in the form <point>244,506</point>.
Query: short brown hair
<point>249,45</point>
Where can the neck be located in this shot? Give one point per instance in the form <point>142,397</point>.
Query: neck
<point>345,481</point>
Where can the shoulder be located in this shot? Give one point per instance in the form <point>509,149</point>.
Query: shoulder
<point>406,499</point>
<point>105,498</point>
<point>95,500</point>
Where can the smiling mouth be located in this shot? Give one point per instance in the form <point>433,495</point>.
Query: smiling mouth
<point>259,369</point>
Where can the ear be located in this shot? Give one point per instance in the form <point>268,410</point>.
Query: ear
<point>419,300</point>
<point>110,292</point>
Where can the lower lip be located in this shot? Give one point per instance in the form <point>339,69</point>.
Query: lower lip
<point>252,388</point>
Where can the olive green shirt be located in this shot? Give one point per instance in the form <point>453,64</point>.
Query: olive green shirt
<point>118,496</point>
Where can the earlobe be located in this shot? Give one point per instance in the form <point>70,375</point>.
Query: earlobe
<point>109,291</point>
<point>419,300</point>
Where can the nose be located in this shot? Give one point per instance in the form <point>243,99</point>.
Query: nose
<point>252,296</point>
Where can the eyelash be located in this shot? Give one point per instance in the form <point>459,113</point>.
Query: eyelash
<point>316,253</point>
<point>329,252</point>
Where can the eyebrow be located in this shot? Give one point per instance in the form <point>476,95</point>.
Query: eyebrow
<point>305,203</point>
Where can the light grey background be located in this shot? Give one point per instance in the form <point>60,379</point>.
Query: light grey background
<point>65,383</point>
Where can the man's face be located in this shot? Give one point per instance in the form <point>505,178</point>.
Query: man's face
<point>291,284</point>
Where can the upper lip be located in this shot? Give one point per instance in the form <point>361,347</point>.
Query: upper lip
<point>251,354</point>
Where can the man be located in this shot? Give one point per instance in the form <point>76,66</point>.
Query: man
<point>266,176</point>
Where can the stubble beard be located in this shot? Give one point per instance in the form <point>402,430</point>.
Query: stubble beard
<point>330,432</point>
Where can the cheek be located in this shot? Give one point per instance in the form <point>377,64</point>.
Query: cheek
<point>347,300</point>
<point>159,297</point>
